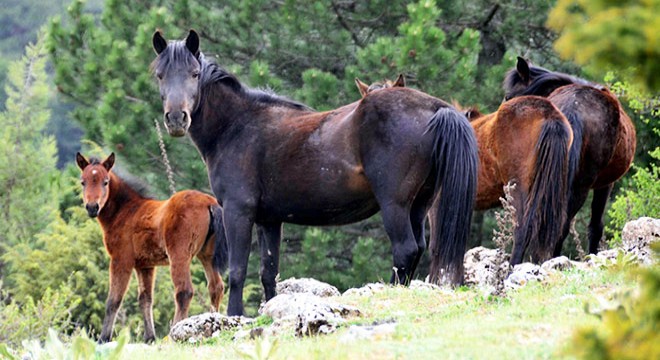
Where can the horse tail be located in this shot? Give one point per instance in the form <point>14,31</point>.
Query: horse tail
<point>547,201</point>
<point>220,251</point>
<point>455,158</point>
<point>576,147</point>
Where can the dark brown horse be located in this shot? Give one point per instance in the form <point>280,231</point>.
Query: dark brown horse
<point>271,160</point>
<point>141,233</point>
<point>526,142</point>
<point>604,137</point>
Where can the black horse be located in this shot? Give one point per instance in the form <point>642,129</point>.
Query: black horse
<point>603,137</point>
<point>271,160</point>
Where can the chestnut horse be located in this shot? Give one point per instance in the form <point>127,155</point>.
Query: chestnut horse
<point>527,142</point>
<point>141,233</point>
<point>604,138</point>
<point>365,89</point>
<point>271,160</point>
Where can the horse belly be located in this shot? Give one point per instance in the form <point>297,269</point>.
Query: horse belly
<point>310,212</point>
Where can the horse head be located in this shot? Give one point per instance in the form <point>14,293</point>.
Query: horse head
<point>365,89</point>
<point>95,180</point>
<point>527,79</point>
<point>177,68</point>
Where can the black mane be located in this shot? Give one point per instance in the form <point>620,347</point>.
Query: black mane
<point>212,73</point>
<point>542,81</point>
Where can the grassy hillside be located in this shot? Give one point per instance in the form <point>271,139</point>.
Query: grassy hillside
<point>534,322</point>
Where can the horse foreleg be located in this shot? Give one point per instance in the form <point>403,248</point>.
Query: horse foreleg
<point>575,202</point>
<point>596,223</point>
<point>214,279</point>
<point>146,278</point>
<point>120,275</point>
<point>270,236</point>
<point>183,288</point>
<point>238,220</point>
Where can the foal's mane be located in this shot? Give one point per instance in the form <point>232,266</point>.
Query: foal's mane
<point>542,81</point>
<point>211,73</point>
<point>127,181</point>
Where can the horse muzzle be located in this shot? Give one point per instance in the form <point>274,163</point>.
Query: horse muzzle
<point>93,209</point>
<point>177,123</point>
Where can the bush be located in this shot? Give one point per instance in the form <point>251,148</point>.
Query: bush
<point>32,319</point>
<point>640,200</point>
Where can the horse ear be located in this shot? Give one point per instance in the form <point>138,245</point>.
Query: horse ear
<point>192,42</point>
<point>159,42</point>
<point>523,69</point>
<point>400,81</point>
<point>81,161</point>
<point>362,87</point>
<point>109,162</point>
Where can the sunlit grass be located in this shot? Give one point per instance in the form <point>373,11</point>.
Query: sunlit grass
<point>532,323</point>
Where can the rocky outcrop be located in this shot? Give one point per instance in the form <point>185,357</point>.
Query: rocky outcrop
<point>637,237</point>
<point>204,326</point>
<point>306,285</point>
<point>307,313</point>
<point>487,269</point>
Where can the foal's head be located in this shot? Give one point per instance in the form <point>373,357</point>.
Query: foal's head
<point>178,68</point>
<point>365,89</point>
<point>95,180</point>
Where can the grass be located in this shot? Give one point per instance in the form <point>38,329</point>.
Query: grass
<point>534,322</point>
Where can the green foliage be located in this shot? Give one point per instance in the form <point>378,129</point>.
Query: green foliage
<point>640,200</point>
<point>610,34</point>
<point>80,347</point>
<point>28,177</point>
<point>630,323</point>
<point>31,319</point>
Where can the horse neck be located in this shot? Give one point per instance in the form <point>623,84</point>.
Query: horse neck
<point>120,195</point>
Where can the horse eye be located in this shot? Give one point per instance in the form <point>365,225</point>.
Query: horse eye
<point>195,75</point>
<point>82,183</point>
<point>159,76</point>
<point>106,182</point>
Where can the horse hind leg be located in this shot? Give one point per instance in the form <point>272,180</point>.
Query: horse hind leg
<point>183,288</point>
<point>598,203</point>
<point>146,278</point>
<point>120,275</point>
<point>396,219</point>
<point>418,216</point>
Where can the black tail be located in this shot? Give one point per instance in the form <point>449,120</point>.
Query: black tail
<point>220,252</point>
<point>456,158</point>
<point>543,220</point>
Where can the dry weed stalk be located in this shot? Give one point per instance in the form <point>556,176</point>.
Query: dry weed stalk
<point>506,219</point>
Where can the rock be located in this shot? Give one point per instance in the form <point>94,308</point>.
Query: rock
<point>524,273</point>
<point>366,290</point>
<point>486,268</point>
<point>560,263</point>
<point>637,236</point>
<point>306,285</point>
<point>371,332</point>
<point>204,326</point>
<point>311,314</point>
<point>423,285</point>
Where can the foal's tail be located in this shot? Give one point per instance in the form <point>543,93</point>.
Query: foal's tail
<point>547,203</point>
<point>220,252</point>
<point>455,157</point>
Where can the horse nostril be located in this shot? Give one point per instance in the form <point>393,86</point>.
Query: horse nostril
<point>167,115</point>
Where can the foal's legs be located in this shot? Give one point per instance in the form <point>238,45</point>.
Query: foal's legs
<point>270,236</point>
<point>183,287</point>
<point>596,223</point>
<point>146,278</point>
<point>120,275</point>
<point>214,280</point>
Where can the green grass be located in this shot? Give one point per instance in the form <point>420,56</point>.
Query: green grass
<point>534,322</point>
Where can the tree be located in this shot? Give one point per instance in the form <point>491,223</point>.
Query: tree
<point>609,34</point>
<point>28,176</point>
